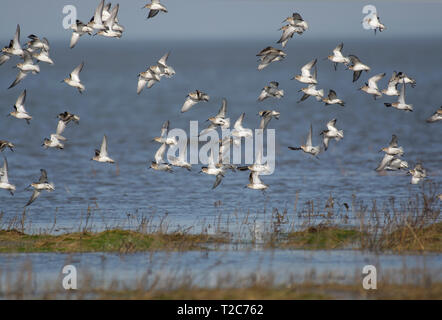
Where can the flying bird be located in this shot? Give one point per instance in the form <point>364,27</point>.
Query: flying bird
<point>19,106</point>
<point>271,91</point>
<point>372,86</point>
<point>306,76</point>
<point>338,57</point>
<point>74,78</point>
<point>79,29</point>
<point>154,7</point>
<point>14,48</point>
<point>5,143</point>
<point>102,155</point>
<point>269,55</point>
<point>266,116</point>
<point>417,174</point>
<point>4,180</point>
<point>24,68</point>
<point>42,185</point>
<point>308,147</point>
<point>163,138</point>
<point>193,98</point>
<point>333,99</point>
<point>400,104</point>
<point>331,133</point>
<point>357,67</point>
<point>159,163</point>
<point>437,116</point>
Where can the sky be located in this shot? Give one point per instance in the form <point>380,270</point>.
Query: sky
<point>227,19</point>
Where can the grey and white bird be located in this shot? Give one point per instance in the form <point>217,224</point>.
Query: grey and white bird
<point>159,163</point>
<point>374,22</point>
<point>79,29</point>
<point>255,182</point>
<point>239,131</point>
<point>269,55</point>
<point>4,180</point>
<point>56,138</point>
<point>42,56</point>
<point>13,49</point>
<point>106,14</point>
<point>111,30</point>
<point>393,149</point>
<point>333,99</point>
<point>391,89</point>
<point>437,116</point>
<point>357,67</point>
<point>266,116</point>
<point>308,146</point>
<point>180,161</point>
<point>403,78</point>
<point>219,120</point>
<point>5,143</point>
<point>24,68</point>
<point>297,21</point>
<point>148,77</point>
<point>216,169</point>
<point>74,78</point>
<point>96,21</point>
<point>154,8</point>
<point>67,117</point>
<point>287,33</point>
<point>306,75</point>
<point>19,106</point>
<point>400,104</point>
<point>42,185</point>
<point>163,138</point>
<point>311,91</point>
<point>372,86</point>
<point>102,154</point>
<point>331,133</point>
<point>271,91</point>
<point>193,98</point>
<point>338,57</point>
<point>35,43</point>
<point>418,174</point>
<point>397,164</point>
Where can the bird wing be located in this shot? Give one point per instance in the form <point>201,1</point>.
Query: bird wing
<point>332,95</point>
<point>189,103</point>
<point>385,162</point>
<point>160,154</point>
<point>16,41</point>
<point>141,83</point>
<point>393,142</point>
<point>238,123</point>
<point>74,39</point>
<point>27,57</point>
<point>111,20</point>
<point>34,196</point>
<point>60,128</point>
<point>372,82</point>
<point>337,52</point>
<point>75,74</point>
<point>103,149</point>
<point>402,95</point>
<point>165,129</point>
<point>331,124</point>
<point>219,178</point>
<point>99,13</point>
<point>20,76</point>
<point>305,70</point>
<point>222,111</point>
<point>4,172</point>
<point>43,176</point>
<point>274,84</point>
<point>4,58</point>
<point>309,137</point>
<point>163,60</point>
<point>20,103</point>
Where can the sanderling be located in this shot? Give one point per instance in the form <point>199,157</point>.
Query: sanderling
<point>297,21</point>
<point>19,106</point>
<point>266,116</point>
<point>337,56</point>
<point>13,49</point>
<point>269,55</point>
<point>393,148</point>
<point>97,22</point>
<point>214,169</point>
<point>357,67</point>
<point>437,116</point>
<point>372,87</point>
<point>397,164</point>
<point>4,181</point>
<point>239,131</point>
<point>154,7</point>
<point>163,138</point>
<point>333,99</point>
<point>193,98</point>
<point>306,75</point>
<point>331,133</point>
<point>403,78</point>
<point>102,155</point>
<point>67,117</point>
<point>400,104</point>
<point>219,120</point>
<point>308,147</point>
<point>56,138</point>
<point>111,31</point>
<point>417,174</point>
<point>271,91</point>
<point>374,22</point>
<point>159,163</point>
<point>5,143</point>
<point>40,186</point>
<point>311,91</point>
<point>74,78</point>
<point>392,86</point>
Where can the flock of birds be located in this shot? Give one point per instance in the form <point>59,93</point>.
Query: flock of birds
<point>105,23</point>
